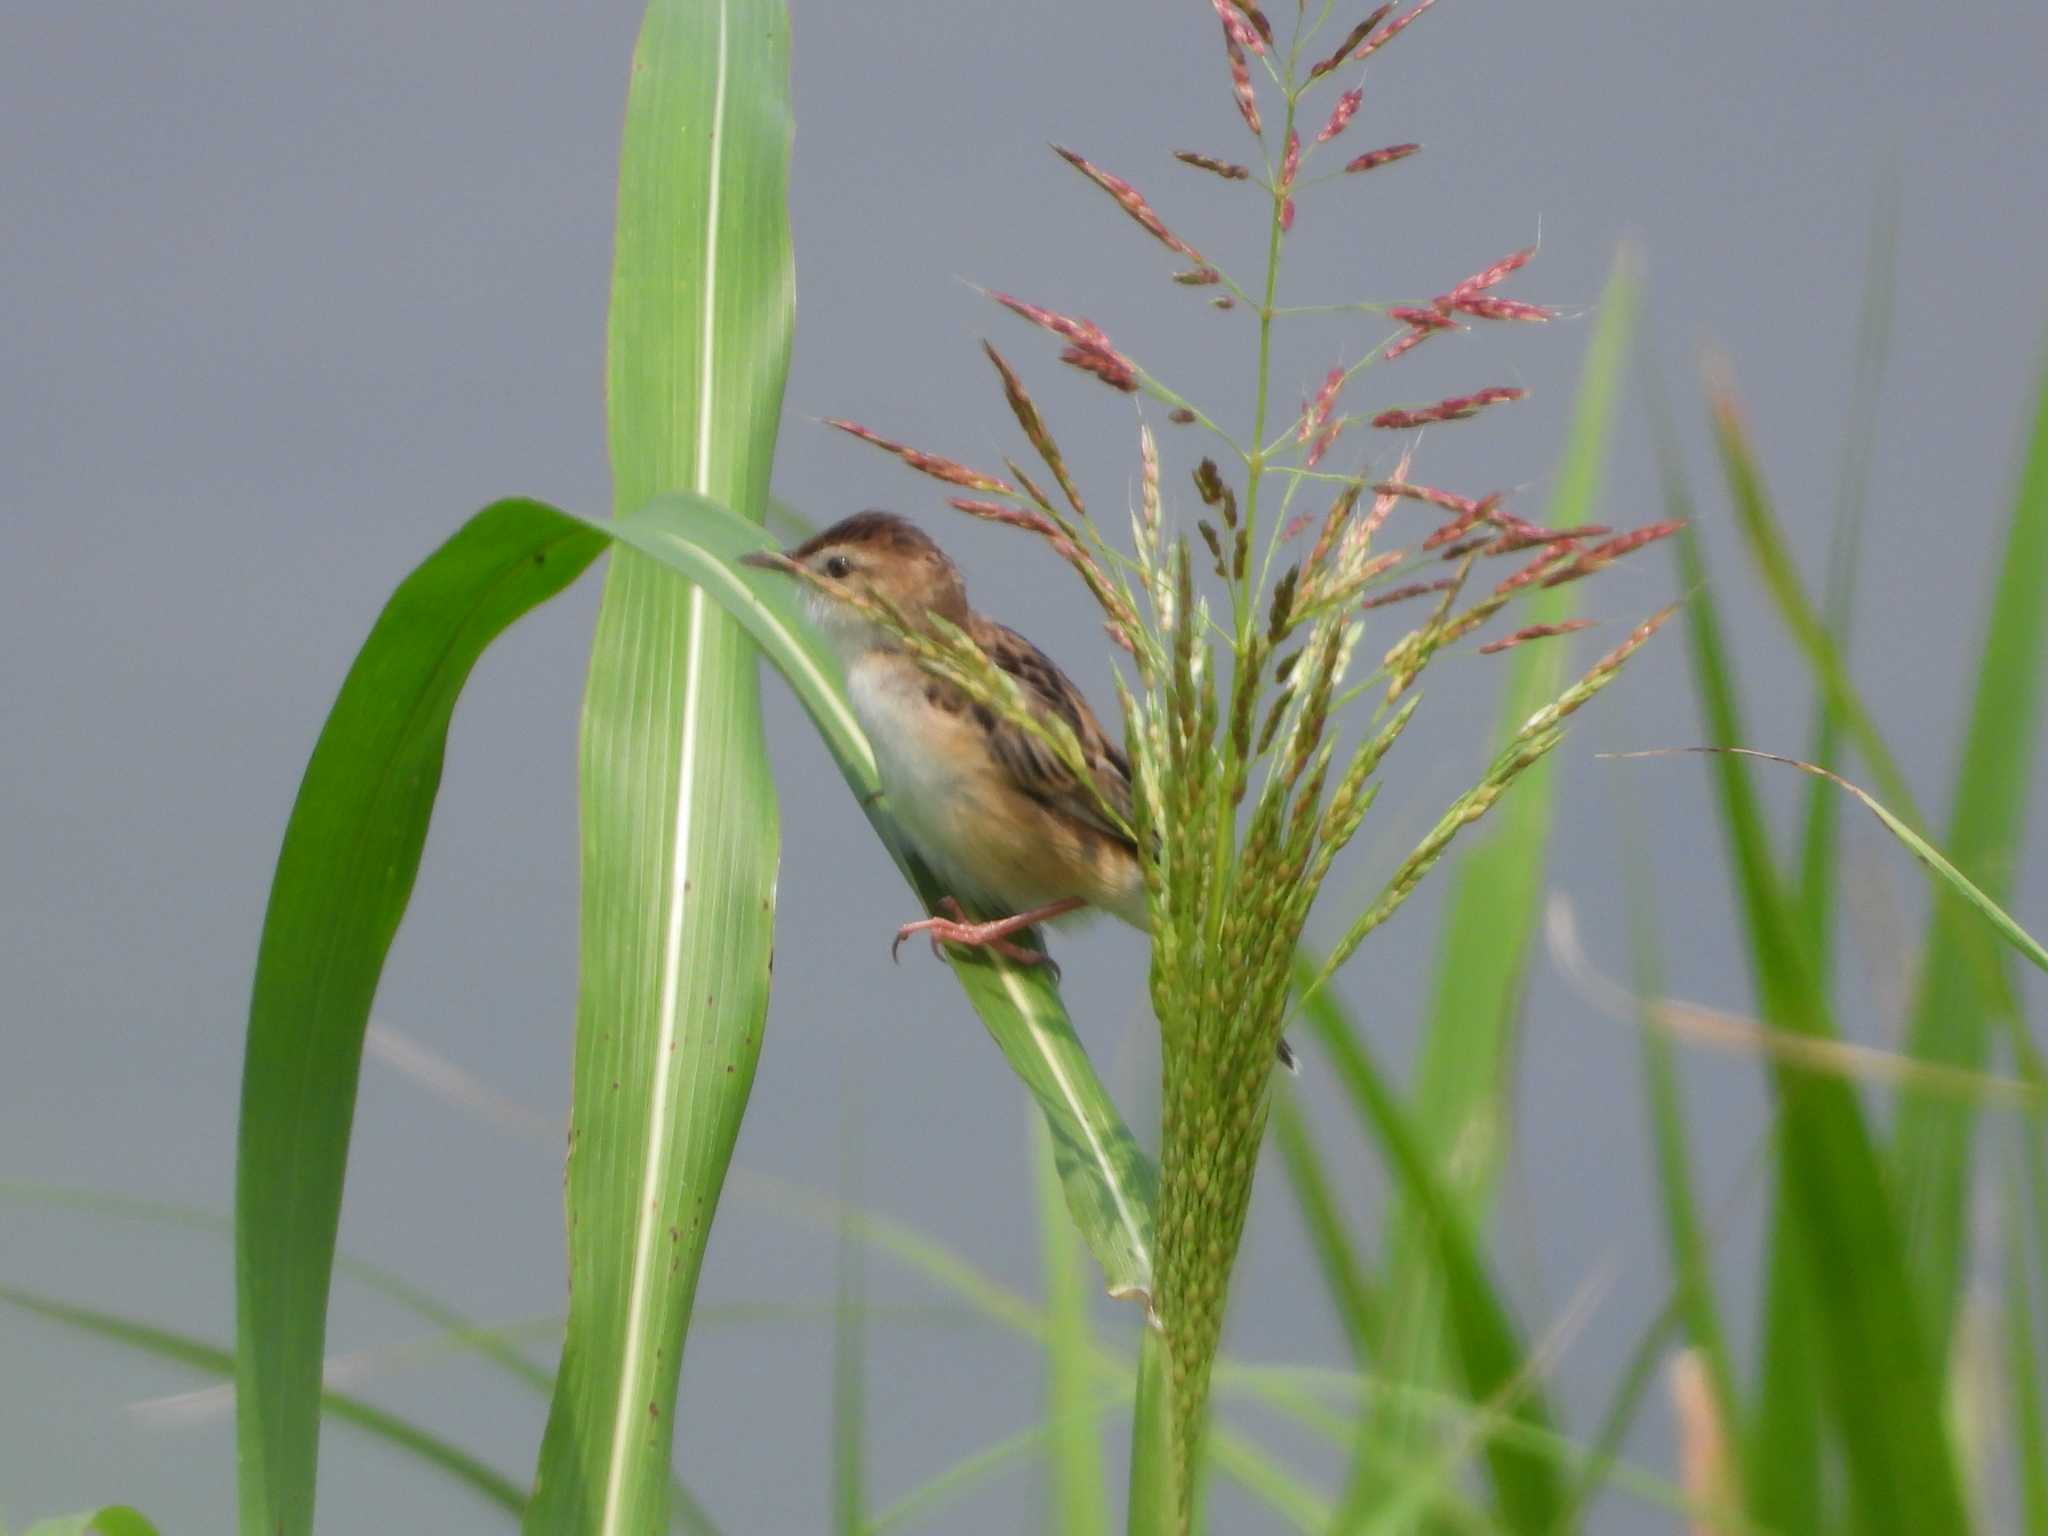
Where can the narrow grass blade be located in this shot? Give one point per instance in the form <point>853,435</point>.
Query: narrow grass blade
<point>679,834</point>
<point>1882,1383</point>
<point>1758,522</point>
<point>1077,1500</point>
<point>1958,884</point>
<point>849,1360</point>
<point>1782,1454</point>
<point>454,1329</point>
<point>205,1358</point>
<point>1352,1292</point>
<point>1822,814</point>
<point>1962,988</point>
<point>2022,1371</point>
<point>343,877</point>
<point>1684,1232</point>
<point>1783,1451</point>
<point>1488,1351</point>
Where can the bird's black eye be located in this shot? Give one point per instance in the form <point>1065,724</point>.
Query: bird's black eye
<point>838,566</point>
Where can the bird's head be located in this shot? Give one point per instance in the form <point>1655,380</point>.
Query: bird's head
<point>878,556</point>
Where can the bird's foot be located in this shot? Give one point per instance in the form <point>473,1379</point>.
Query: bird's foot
<point>952,927</point>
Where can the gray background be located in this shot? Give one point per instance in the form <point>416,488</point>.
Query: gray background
<point>288,290</point>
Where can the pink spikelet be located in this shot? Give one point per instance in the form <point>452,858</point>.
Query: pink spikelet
<point>1237,28</point>
<point>1106,364</point>
<point>1340,116</point>
<point>1133,203</point>
<point>1534,632</point>
<point>1373,159</point>
<point>1500,270</point>
<point>1290,167</point>
<point>1456,408</point>
<point>1241,83</point>
<point>1606,554</point>
<point>1536,568</point>
<point>1322,443</point>
<point>1393,29</point>
<point>1015,517</point>
<point>1091,350</point>
<point>1326,397</point>
<point>1481,307</point>
<point>926,463</point>
<point>1449,501</point>
<point>1384,501</point>
<point>1352,39</point>
<point>1413,589</point>
<point>1473,512</point>
<point>1224,168</point>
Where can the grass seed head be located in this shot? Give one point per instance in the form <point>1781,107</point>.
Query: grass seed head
<point>1534,632</point>
<point>1241,83</point>
<point>1373,159</point>
<point>1340,116</point>
<point>1455,408</point>
<point>1224,168</point>
<point>1352,39</point>
<point>926,463</point>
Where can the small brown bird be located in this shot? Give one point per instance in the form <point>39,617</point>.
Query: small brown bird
<point>1000,819</point>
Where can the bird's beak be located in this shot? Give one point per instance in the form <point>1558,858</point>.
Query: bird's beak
<point>769,560</point>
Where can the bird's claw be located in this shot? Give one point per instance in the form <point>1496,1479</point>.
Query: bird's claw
<point>953,928</point>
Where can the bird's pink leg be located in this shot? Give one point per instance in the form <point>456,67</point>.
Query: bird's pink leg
<point>953,928</point>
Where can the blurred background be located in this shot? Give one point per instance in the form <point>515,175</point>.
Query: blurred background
<point>290,290</point>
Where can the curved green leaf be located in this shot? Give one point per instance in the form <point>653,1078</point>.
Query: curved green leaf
<point>350,853</point>
<point>345,873</point>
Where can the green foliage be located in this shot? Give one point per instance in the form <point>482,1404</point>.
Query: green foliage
<point>1881,1382</point>
<point>350,853</point>
<point>679,838</point>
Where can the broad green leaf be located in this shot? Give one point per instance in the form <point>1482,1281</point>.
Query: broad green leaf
<point>679,833</point>
<point>345,872</point>
<point>211,1361</point>
<point>1962,987</point>
<point>1076,1499</point>
<point>1882,1382</point>
<point>350,853</point>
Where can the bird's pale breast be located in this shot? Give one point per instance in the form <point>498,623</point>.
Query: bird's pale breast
<point>995,847</point>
